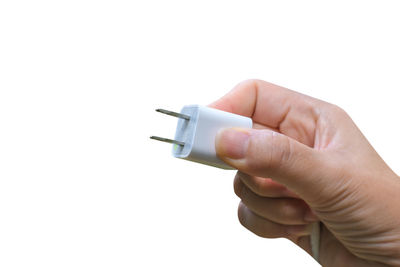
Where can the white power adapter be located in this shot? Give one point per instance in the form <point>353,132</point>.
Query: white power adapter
<point>196,130</point>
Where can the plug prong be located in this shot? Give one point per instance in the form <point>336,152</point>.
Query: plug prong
<point>162,139</point>
<point>175,114</point>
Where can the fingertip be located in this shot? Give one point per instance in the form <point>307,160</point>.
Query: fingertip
<point>240,100</point>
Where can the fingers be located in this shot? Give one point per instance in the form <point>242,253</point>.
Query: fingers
<point>266,153</point>
<point>265,102</point>
<point>288,211</point>
<point>265,187</point>
<point>266,228</point>
<point>272,217</point>
<point>273,106</point>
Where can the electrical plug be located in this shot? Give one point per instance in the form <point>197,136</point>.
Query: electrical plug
<point>196,130</point>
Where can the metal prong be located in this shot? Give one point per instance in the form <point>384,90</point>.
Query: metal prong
<point>162,139</point>
<point>175,114</point>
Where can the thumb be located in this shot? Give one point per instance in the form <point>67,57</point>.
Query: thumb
<point>266,153</point>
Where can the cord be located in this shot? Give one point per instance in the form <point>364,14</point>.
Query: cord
<point>315,240</point>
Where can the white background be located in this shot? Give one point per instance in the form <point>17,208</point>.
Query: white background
<point>81,184</point>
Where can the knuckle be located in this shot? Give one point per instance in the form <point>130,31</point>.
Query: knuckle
<point>280,151</point>
<point>268,151</point>
<point>338,110</point>
<point>249,84</point>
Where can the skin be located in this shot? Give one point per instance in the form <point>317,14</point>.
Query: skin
<point>306,161</point>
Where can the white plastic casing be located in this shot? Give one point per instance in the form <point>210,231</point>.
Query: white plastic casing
<point>199,133</point>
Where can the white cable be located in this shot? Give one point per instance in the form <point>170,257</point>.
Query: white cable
<point>315,240</point>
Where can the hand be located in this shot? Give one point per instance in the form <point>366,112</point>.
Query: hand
<point>307,161</point>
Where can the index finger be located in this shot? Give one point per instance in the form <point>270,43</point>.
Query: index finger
<point>266,103</point>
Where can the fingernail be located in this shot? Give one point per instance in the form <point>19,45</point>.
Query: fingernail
<point>232,143</point>
<point>310,216</point>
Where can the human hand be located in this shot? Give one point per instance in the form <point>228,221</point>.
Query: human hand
<point>304,161</point>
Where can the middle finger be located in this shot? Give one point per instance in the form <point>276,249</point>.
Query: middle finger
<point>289,211</point>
